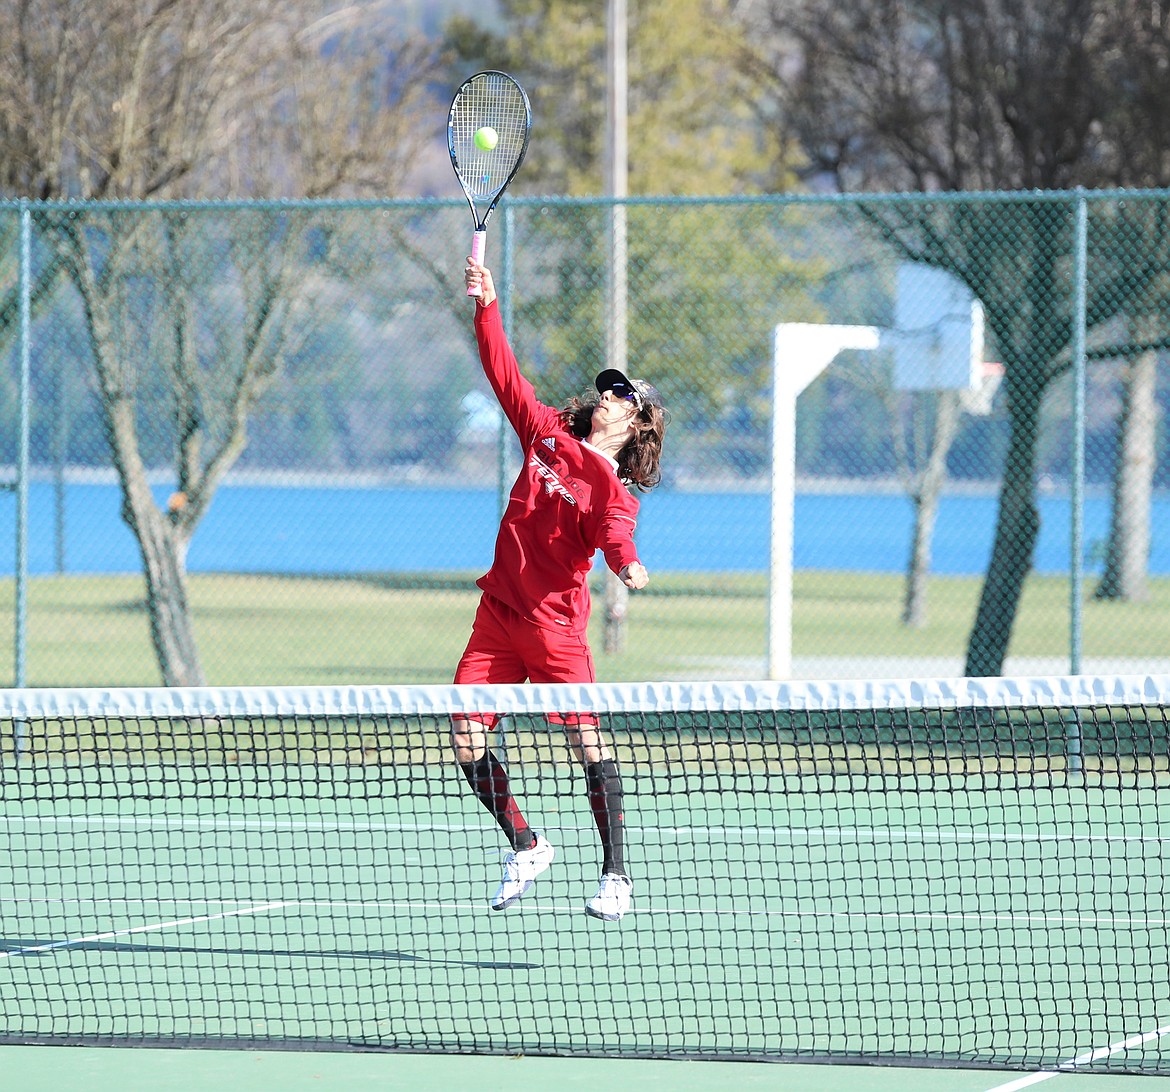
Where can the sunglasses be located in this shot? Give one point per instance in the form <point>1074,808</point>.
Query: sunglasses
<point>629,394</point>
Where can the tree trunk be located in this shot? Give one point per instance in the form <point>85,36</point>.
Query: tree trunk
<point>925,498</point>
<point>162,539</point>
<point>914,595</point>
<point>1016,530</point>
<point>617,601</point>
<point>171,624</point>
<point>1126,575</point>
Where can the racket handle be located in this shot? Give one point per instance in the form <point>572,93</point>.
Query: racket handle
<point>477,248</point>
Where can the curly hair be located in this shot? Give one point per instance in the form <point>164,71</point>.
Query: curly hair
<point>638,460</point>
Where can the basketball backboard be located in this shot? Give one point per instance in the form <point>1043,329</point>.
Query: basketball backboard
<point>937,340</point>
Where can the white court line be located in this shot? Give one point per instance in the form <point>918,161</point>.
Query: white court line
<point>35,948</point>
<point>219,823</point>
<point>1013,1086</point>
<point>644,911</point>
<point>923,834</point>
<point>1070,1065</point>
<point>1083,1059</point>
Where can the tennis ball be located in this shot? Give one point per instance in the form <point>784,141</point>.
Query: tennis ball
<point>486,138</point>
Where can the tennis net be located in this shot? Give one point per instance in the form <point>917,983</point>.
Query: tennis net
<point>951,871</point>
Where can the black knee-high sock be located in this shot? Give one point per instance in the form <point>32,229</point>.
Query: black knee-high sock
<point>489,781</point>
<point>605,798</point>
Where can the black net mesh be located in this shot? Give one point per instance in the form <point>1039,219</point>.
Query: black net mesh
<point>971,873</point>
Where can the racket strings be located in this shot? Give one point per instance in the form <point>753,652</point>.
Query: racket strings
<point>498,103</point>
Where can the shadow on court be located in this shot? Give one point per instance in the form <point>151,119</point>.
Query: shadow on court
<point>29,949</point>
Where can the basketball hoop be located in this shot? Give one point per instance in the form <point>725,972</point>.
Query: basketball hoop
<point>978,401</point>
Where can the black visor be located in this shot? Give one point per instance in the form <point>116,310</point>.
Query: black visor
<point>637,391</point>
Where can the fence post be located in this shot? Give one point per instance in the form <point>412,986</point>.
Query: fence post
<point>1077,485</point>
<point>504,295</point>
<point>20,637</point>
<point>504,438</point>
<point>22,456</point>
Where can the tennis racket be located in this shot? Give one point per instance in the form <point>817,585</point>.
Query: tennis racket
<point>487,104</point>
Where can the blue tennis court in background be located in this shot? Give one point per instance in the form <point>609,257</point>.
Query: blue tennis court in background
<point>337,529</point>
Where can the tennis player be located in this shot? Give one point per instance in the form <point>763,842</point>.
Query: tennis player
<point>572,498</point>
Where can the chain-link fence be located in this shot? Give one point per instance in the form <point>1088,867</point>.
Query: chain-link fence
<point>270,419</point>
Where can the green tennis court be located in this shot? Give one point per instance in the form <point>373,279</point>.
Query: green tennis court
<point>856,905</point>
<point>865,927</point>
<point>45,1069</point>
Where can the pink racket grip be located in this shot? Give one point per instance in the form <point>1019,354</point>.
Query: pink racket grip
<point>477,247</point>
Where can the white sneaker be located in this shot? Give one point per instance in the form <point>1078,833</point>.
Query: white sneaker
<point>521,867</point>
<point>612,899</point>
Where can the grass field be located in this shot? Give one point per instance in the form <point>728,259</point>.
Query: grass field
<point>86,630</point>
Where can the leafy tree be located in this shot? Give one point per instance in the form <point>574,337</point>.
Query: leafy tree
<point>682,138</point>
<point>690,327</point>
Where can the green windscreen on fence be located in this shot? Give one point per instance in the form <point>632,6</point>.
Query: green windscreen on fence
<point>950,871</point>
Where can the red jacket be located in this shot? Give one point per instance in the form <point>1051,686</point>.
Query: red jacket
<point>566,504</point>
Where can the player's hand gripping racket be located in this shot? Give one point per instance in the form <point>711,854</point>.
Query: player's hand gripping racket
<point>487,136</point>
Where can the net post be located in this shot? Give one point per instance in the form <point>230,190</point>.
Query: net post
<point>1073,740</point>
<point>19,739</point>
<point>501,733</point>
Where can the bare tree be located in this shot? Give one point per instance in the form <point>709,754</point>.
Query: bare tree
<point>136,99</point>
<point>922,446</point>
<point>1126,573</point>
<point>935,95</point>
<point>924,432</point>
<point>1140,137</point>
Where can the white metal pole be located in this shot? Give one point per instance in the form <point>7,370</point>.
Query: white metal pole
<point>616,328</point>
<point>800,352</point>
<point>617,182</point>
<point>782,516</point>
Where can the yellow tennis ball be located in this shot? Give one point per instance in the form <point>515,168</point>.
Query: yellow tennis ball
<point>486,138</point>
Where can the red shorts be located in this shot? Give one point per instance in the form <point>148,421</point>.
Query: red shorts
<point>505,647</point>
